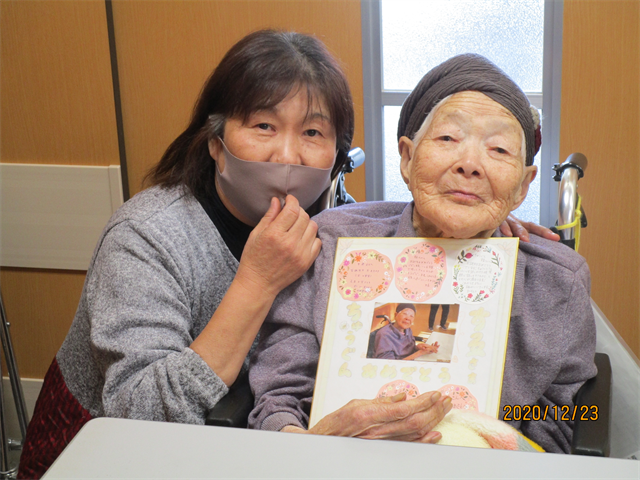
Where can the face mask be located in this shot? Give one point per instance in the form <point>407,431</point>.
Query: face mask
<point>249,186</point>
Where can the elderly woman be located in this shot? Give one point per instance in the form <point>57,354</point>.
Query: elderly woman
<point>467,138</point>
<point>395,341</point>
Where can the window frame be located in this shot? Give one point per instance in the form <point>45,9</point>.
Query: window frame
<point>375,99</point>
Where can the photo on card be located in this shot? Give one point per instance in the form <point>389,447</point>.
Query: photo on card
<point>423,332</point>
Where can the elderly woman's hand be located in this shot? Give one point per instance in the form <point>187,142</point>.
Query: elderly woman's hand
<point>280,248</point>
<point>390,418</point>
<point>425,348</point>
<point>514,227</point>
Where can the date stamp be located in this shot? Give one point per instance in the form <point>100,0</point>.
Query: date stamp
<point>556,412</point>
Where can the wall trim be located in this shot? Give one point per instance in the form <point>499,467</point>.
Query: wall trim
<point>51,216</point>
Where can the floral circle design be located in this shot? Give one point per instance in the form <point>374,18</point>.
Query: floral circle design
<point>477,272</point>
<point>398,386</point>
<point>420,270</point>
<point>461,397</point>
<point>364,275</point>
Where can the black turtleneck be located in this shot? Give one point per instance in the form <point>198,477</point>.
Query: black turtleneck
<point>234,233</point>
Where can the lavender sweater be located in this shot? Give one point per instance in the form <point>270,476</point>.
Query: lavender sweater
<point>551,336</point>
<point>390,343</point>
<point>158,273</point>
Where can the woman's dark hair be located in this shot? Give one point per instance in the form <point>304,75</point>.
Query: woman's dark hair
<point>257,73</point>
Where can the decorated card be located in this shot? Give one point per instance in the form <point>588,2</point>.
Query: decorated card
<point>415,315</point>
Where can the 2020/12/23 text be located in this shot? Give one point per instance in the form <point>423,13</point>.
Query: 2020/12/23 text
<point>555,412</point>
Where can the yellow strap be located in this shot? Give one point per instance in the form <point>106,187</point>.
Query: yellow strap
<point>575,224</point>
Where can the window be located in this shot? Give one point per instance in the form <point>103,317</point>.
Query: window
<point>403,39</point>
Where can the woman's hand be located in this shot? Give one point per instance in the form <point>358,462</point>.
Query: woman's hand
<point>390,418</point>
<point>424,348</point>
<point>513,227</point>
<point>280,248</point>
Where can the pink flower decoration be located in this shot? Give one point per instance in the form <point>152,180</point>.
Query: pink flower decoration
<point>469,296</point>
<point>468,255</point>
<point>486,296</point>
<point>481,292</point>
<point>455,284</point>
<point>346,263</point>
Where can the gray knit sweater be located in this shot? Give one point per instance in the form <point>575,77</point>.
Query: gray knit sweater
<point>551,335</point>
<point>158,273</point>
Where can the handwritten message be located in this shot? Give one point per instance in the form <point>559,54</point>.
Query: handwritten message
<point>363,275</point>
<point>477,272</point>
<point>420,270</point>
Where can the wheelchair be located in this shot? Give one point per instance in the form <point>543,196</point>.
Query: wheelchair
<point>618,403</point>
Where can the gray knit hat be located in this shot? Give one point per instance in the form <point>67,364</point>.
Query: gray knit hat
<point>463,73</point>
<point>402,306</point>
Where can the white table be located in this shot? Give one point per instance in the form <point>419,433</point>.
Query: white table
<point>116,448</point>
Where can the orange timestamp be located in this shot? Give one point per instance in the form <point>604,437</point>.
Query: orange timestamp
<point>556,412</point>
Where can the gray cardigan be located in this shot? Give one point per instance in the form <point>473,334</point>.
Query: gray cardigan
<point>158,273</point>
<point>551,336</point>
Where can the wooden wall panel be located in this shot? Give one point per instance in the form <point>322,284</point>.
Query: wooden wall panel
<point>600,117</point>
<point>57,93</point>
<point>166,50</point>
<point>57,107</point>
<point>40,305</point>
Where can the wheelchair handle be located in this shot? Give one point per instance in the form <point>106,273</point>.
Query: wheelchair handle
<point>568,174</point>
<point>356,158</point>
<point>336,194</point>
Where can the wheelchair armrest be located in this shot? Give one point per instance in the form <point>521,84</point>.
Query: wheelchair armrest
<point>591,437</point>
<point>233,409</point>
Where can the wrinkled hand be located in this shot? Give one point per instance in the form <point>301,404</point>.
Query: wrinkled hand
<point>280,248</point>
<point>390,418</point>
<point>513,227</point>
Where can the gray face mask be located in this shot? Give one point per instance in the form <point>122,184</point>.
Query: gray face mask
<point>250,186</point>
